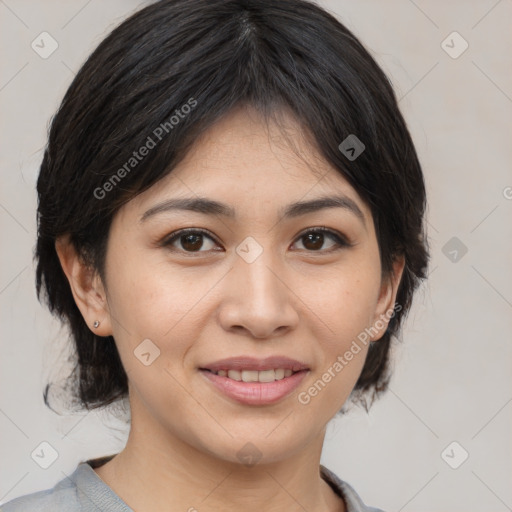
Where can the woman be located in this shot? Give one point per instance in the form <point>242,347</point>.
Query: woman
<point>230,221</point>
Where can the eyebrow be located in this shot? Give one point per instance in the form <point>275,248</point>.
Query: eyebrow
<point>211,207</point>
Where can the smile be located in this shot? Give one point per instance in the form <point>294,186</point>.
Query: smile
<point>254,375</point>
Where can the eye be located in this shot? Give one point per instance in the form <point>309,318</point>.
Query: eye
<point>191,240</point>
<point>314,239</point>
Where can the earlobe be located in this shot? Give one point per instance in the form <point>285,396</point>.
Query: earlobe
<point>385,309</point>
<point>86,287</point>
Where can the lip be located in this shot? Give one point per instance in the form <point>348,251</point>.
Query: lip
<point>255,393</point>
<point>251,363</point>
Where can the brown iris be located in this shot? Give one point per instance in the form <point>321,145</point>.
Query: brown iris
<point>192,242</point>
<point>313,241</point>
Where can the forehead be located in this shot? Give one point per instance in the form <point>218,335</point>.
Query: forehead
<point>249,163</point>
<point>244,143</point>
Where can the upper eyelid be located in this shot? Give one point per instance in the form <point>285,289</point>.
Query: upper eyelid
<point>181,232</point>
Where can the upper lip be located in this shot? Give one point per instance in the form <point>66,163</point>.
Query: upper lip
<point>251,363</point>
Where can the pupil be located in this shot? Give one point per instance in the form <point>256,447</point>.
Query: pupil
<point>314,238</point>
<point>191,238</point>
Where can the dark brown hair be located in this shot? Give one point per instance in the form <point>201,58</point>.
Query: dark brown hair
<point>290,55</point>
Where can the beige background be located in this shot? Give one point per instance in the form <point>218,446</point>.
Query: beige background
<point>452,372</point>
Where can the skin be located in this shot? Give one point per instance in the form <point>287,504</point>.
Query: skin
<point>198,307</point>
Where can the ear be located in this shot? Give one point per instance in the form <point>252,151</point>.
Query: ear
<point>86,286</point>
<point>385,308</point>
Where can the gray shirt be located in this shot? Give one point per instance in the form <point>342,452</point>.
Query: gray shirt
<point>85,491</point>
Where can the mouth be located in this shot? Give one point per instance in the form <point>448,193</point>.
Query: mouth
<point>270,375</point>
<point>255,381</point>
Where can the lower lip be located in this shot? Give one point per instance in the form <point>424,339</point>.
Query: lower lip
<point>255,393</point>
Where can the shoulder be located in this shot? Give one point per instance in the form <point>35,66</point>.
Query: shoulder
<point>352,500</point>
<point>63,496</point>
<point>82,491</point>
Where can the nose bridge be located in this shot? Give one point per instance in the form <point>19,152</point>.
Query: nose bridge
<point>259,300</point>
<point>260,280</point>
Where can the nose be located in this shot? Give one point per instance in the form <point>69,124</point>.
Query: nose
<point>257,299</point>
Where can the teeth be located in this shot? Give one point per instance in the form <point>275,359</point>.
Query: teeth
<point>249,376</point>
<point>266,375</point>
<point>235,375</point>
<point>256,376</point>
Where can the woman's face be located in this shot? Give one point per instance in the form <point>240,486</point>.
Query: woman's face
<point>252,284</point>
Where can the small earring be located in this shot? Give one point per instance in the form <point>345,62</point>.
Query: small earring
<point>96,324</point>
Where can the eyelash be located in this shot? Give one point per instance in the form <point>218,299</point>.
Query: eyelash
<point>340,240</point>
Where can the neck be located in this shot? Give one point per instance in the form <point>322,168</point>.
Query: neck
<point>158,470</point>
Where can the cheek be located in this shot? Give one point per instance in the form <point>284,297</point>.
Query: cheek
<point>150,297</point>
<point>342,311</point>
<point>159,303</point>
<point>344,302</point>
